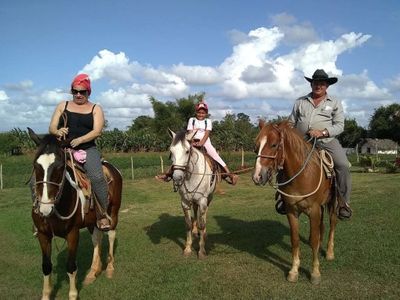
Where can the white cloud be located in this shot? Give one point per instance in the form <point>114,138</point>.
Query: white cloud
<point>295,34</point>
<point>3,96</point>
<point>393,84</point>
<point>259,78</point>
<point>115,67</point>
<point>197,75</point>
<point>21,86</point>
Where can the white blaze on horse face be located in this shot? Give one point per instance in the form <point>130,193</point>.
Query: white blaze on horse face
<point>258,166</point>
<point>179,155</point>
<point>45,160</point>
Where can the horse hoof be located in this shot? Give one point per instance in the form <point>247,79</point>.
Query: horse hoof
<point>202,255</point>
<point>330,256</point>
<point>73,296</point>
<point>292,277</point>
<point>187,252</point>
<point>109,273</point>
<point>89,280</point>
<point>315,279</point>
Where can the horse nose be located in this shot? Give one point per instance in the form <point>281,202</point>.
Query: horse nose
<point>260,178</point>
<point>177,176</point>
<point>256,178</point>
<point>46,210</point>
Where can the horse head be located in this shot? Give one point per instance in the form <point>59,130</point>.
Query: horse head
<point>269,149</point>
<point>180,151</point>
<point>49,169</point>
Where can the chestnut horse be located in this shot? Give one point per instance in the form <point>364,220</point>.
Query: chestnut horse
<point>58,211</point>
<point>303,186</point>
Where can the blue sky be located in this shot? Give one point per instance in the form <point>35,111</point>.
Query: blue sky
<point>248,56</point>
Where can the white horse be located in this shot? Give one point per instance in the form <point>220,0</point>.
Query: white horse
<point>193,177</point>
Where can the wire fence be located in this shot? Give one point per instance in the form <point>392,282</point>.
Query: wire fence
<point>15,171</point>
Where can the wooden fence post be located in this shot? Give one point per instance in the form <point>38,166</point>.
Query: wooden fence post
<point>1,176</point>
<point>132,174</point>
<point>242,158</point>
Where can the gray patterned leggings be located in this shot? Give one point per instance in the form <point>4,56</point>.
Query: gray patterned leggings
<point>94,171</point>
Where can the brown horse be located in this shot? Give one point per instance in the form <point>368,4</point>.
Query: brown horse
<point>302,184</point>
<point>58,211</point>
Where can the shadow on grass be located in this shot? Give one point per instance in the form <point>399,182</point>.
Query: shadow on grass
<point>169,227</point>
<point>254,237</point>
<point>84,260</point>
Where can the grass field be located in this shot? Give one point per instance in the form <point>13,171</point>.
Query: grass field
<point>248,247</point>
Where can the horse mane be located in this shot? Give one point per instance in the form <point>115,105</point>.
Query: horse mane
<point>295,140</point>
<point>48,144</point>
<point>179,137</point>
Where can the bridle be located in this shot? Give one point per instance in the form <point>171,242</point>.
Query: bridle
<point>60,185</point>
<point>280,165</point>
<point>186,171</point>
<point>281,146</point>
<point>60,190</point>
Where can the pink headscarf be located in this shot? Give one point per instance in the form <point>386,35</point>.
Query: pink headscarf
<point>83,80</point>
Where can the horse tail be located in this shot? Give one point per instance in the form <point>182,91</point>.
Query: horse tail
<point>115,191</point>
<point>334,194</point>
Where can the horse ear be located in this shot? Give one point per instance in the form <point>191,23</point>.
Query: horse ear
<point>171,133</point>
<point>190,136</point>
<point>261,123</point>
<point>34,136</point>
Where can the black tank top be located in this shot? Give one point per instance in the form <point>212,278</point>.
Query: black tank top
<point>79,125</point>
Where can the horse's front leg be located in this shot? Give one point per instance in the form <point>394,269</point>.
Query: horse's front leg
<point>195,230</point>
<point>330,254</point>
<point>295,241</point>
<point>315,230</point>
<point>110,259</point>
<point>188,222</point>
<point>96,267</point>
<point>202,220</point>
<point>72,242</point>
<point>45,245</point>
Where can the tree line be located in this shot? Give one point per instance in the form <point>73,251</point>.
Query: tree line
<point>233,133</point>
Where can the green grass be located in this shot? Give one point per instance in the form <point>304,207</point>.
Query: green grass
<point>248,247</point>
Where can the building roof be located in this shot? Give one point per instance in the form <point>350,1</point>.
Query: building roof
<point>381,144</point>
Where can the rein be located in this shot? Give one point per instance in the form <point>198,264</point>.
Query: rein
<point>77,195</point>
<point>306,195</point>
<point>60,185</point>
<point>60,189</point>
<point>280,166</point>
<point>187,171</point>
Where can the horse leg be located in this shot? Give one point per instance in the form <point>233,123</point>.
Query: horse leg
<point>195,230</point>
<point>72,242</point>
<point>295,241</point>
<point>330,255</point>
<point>201,220</point>
<point>110,259</point>
<point>188,221</point>
<point>315,227</point>
<point>96,267</point>
<point>321,227</point>
<point>45,245</point>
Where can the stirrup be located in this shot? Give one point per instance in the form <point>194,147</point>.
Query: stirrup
<point>103,224</point>
<point>344,212</point>
<point>280,206</point>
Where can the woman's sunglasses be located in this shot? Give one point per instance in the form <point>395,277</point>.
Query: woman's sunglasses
<point>82,92</point>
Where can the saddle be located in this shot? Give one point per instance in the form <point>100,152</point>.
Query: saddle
<point>216,168</point>
<point>83,182</point>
